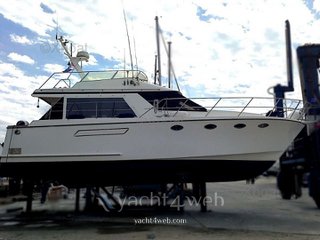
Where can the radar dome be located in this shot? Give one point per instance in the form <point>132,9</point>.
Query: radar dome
<point>83,55</point>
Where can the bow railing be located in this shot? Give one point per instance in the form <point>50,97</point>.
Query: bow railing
<point>231,106</point>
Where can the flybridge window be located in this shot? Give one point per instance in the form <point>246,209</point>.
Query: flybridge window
<point>172,100</point>
<point>79,108</point>
<point>55,112</point>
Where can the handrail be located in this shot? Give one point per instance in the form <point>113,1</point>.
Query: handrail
<point>236,107</point>
<point>64,81</point>
<point>73,77</point>
<point>240,106</point>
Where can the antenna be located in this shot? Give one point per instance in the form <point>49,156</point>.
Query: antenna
<point>124,59</point>
<point>170,62</point>
<point>170,66</point>
<point>57,27</point>
<point>74,61</point>
<point>155,69</point>
<point>134,48</point>
<point>125,21</point>
<point>135,52</point>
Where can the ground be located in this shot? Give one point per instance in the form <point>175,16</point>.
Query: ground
<point>237,211</point>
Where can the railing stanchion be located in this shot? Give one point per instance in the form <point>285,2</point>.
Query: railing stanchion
<point>213,107</point>
<point>245,107</point>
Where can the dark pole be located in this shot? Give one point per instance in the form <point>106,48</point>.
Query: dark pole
<point>289,56</point>
<point>77,207</point>
<point>203,193</point>
<point>169,64</point>
<point>29,189</point>
<point>155,69</point>
<point>158,49</point>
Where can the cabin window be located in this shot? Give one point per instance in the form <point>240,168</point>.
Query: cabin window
<point>172,100</point>
<point>79,108</point>
<point>55,112</point>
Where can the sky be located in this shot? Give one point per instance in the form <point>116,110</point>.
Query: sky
<point>219,48</point>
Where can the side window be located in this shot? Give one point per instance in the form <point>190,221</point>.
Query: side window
<point>78,108</point>
<point>55,112</point>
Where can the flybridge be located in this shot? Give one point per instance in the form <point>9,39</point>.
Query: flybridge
<point>68,80</point>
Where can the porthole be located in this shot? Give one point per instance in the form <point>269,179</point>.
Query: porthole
<point>240,125</point>
<point>263,125</point>
<point>210,126</point>
<point>176,127</point>
<point>17,132</point>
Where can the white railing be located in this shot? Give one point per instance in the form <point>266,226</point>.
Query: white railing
<point>235,107</point>
<point>69,79</point>
<point>230,106</point>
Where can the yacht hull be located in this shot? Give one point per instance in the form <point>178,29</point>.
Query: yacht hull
<point>138,171</point>
<point>130,152</point>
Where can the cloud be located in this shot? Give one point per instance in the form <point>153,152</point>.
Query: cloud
<point>20,39</point>
<point>16,103</point>
<point>232,42</point>
<point>46,8</point>
<point>51,68</point>
<point>20,58</point>
<point>316,6</point>
<point>37,21</point>
<point>218,47</point>
<point>201,13</point>
<point>92,61</point>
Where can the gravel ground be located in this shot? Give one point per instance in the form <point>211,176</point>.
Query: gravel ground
<point>101,231</point>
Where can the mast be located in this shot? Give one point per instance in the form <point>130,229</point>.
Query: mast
<point>158,49</point>
<point>169,64</point>
<point>289,56</point>
<point>128,38</point>
<point>280,90</point>
<point>74,60</point>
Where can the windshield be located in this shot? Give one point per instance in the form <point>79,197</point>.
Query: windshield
<point>114,74</point>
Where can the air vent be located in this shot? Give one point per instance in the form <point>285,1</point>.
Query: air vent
<point>210,126</point>
<point>240,125</point>
<point>176,127</point>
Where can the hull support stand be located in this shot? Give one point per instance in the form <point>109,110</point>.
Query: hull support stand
<point>77,204</point>
<point>199,191</point>
<point>29,192</point>
<point>203,197</point>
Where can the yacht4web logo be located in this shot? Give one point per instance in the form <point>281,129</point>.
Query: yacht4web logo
<point>47,47</point>
<point>155,220</point>
<point>165,200</point>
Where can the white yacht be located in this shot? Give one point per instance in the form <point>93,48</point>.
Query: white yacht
<point>114,127</point>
